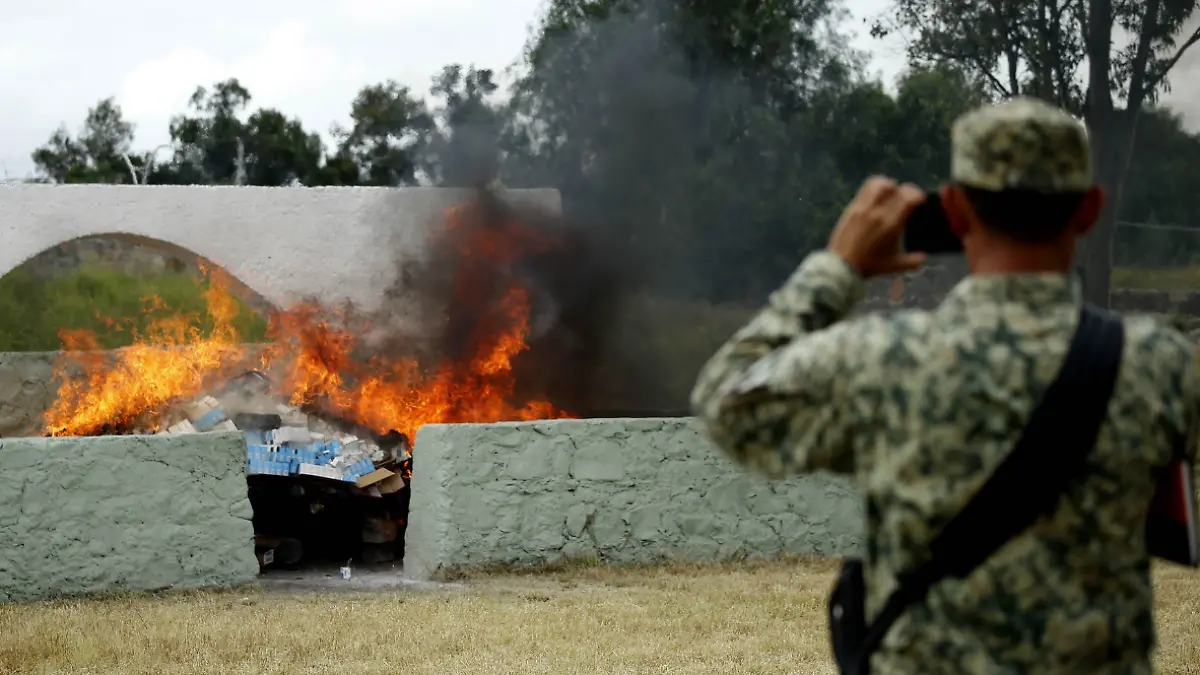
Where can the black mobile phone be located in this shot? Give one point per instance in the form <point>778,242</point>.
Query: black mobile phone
<point>928,230</point>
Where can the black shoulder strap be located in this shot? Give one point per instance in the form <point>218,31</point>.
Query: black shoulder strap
<point>1051,451</point>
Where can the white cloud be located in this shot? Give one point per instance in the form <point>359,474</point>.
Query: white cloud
<point>390,12</point>
<point>17,55</point>
<point>887,54</point>
<point>286,64</point>
<point>157,88</point>
<point>313,68</point>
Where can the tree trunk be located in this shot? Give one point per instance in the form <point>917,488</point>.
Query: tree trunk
<point>1109,148</point>
<point>1094,259</point>
<point>1112,144</point>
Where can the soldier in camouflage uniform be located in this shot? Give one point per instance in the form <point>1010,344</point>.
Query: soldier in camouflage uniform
<point>921,406</point>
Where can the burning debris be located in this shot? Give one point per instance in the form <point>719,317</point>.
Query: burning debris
<point>327,402</point>
<point>317,356</point>
<point>301,446</point>
<point>306,469</point>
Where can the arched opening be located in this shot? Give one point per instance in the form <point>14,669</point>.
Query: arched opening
<point>104,283</point>
<point>101,285</point>
<point>143,255</point>
<point>98,286</point>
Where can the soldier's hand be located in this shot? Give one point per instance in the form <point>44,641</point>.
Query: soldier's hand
<point>870,233</point>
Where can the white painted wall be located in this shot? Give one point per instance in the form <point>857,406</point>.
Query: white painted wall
<point>284,243</point>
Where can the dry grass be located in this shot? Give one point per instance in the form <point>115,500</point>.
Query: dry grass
<point>751,618</point>
<point>1162,279</point>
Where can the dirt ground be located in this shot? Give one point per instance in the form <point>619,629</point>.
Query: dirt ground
<point>749,618</point>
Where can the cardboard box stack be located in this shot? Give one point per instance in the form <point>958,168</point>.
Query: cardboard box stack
<point>335,458</point>
<point>287,442</point>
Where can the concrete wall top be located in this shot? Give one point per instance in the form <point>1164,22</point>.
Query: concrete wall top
<point>117,513</point>
<point>332,243</point>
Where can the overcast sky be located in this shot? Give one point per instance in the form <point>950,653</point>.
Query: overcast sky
<point>306,57</point>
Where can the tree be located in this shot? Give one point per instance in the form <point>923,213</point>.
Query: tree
<point>279,151</point>
<point>715,143</point>
<point>928,100</point>
<point>1162,184</point>
<point>213,145</point>
<point>207,143</point>
<point>389,130</point>
<point>96,155</point>
<point>1039,49</point>
<point>1162,190</point>
<point>338,169</point>
<point>463,150</point>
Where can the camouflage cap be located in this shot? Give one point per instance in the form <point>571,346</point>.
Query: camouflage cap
<point>1021,144</point>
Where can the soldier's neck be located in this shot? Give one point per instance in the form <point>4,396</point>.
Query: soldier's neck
<point>1002,257</point>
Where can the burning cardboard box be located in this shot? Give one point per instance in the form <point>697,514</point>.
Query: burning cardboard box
<point>288,442</point>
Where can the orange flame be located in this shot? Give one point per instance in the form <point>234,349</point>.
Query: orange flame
<point>310,357</point>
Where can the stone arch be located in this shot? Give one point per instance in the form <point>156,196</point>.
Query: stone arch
<point>77,250</point>
<point>333,244</point>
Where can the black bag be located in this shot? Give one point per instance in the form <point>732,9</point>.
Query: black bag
<point>1051,451</point>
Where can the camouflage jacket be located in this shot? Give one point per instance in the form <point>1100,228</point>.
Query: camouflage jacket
<point>920,407</point>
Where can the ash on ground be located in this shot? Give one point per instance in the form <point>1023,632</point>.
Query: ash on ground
<point>323,489</point>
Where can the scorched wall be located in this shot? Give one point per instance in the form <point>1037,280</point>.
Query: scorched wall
<point>112,513</point>
<point>620,490</point>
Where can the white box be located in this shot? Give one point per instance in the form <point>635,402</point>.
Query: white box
<point>290,435</point>
<point>200,408</point>
<point>291,417</point>
<point>330,472</point>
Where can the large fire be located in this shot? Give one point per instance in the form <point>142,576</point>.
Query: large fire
<point>312,354</point>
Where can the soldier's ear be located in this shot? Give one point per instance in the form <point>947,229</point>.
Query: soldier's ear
<point>1088,213</point>
<point>958,210</point>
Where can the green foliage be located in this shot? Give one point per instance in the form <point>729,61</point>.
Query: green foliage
<point>389,128</point>
<point>1163,184</point>
<point>658,121</point>
<point>33,310</point>
<point>713,171</point>
<point>94,156</point>
<point>207,142</point>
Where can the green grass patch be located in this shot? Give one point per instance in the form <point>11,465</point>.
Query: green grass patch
<point>109,302</point>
